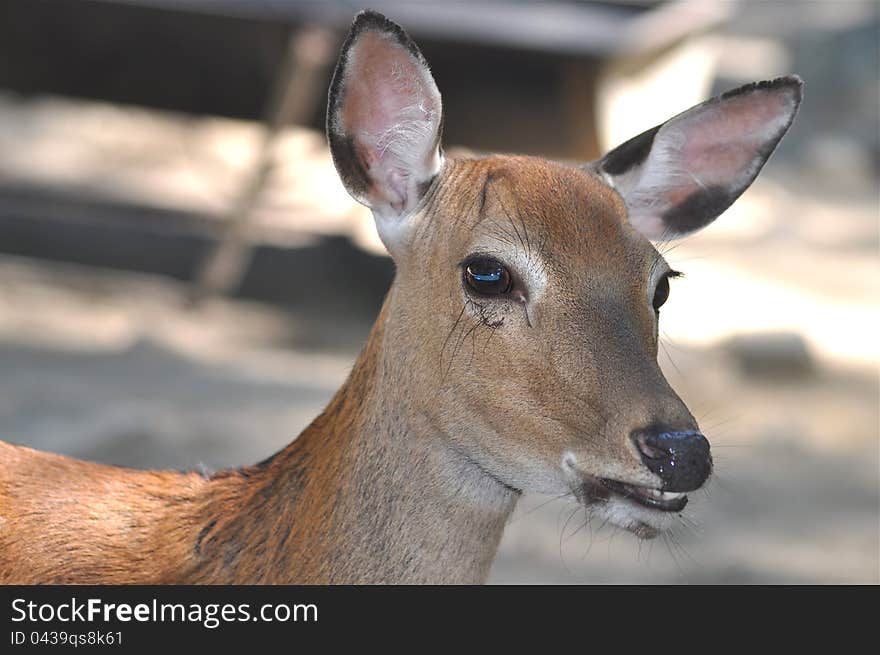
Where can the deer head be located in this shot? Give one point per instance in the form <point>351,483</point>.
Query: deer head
<point>524,313</point>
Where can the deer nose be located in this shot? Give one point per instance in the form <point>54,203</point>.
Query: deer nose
<point>680,459</point>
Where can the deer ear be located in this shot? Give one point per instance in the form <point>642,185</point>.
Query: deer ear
<point>384,119</point>
<point>679,176</point>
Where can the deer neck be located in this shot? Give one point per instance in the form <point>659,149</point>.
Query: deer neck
<point>373,491</point>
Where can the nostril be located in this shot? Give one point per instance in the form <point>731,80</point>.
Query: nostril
<point>648,449</point>
<point>680,459</point>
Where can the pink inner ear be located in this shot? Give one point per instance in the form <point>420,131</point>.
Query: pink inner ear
<point>722,145</point>
<point>377,85</point>
<point>391,109</point>
<point>707,154</point>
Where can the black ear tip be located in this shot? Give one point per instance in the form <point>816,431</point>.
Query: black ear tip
<point>791,83</point>
<point>369,19</point>
<point>372,21</point>
<point>798,86</point>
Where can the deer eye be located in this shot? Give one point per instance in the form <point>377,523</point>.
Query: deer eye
<point>487,276</point>
<point>661,293</point>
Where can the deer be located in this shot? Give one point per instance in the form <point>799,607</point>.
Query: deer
<point>515,351</point>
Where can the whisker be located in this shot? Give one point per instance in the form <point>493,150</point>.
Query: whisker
<point>541,506</point>
<point>561,539</point>
<point>448,336</point>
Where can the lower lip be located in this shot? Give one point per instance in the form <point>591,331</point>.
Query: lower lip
<point>644,497</point>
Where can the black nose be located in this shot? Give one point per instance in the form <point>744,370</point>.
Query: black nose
<point>680,459</point>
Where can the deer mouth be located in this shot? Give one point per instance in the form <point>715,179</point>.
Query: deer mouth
<point>663,501</point>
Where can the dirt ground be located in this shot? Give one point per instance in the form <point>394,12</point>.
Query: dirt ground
<point>110,367</point>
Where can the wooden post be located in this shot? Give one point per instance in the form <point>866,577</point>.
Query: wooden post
<point>298,87</point>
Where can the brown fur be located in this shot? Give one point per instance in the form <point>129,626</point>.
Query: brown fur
<point>411,471</point>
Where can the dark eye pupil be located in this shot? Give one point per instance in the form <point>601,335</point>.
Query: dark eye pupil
<point>661,293</point>
<point>487,276</point>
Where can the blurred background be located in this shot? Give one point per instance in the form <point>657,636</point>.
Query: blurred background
<point>184,282</point>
